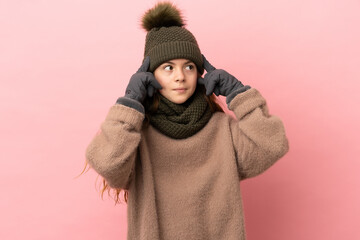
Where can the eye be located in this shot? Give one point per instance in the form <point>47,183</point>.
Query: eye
<point>190,67</point>
<point>168,68</point>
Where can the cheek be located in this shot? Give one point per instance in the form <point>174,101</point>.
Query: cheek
<point>164,86</point>
<point>162,91</point>
<point>159,80</point>
<point>193,81</point>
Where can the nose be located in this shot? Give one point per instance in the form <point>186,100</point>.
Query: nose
<point>180,76</point>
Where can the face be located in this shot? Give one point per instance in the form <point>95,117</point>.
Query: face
<point>178,78</point>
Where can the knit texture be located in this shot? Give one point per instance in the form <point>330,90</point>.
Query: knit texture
<point>188,188</point>
<point>166,43</point>
<point>181,120</point>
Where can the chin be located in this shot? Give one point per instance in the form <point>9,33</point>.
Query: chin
<point>179,100</point>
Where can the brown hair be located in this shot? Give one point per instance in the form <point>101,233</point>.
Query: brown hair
<point>151,106</point>
<point>112,192</point>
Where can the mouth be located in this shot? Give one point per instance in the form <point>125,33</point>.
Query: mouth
<point>180,90</point>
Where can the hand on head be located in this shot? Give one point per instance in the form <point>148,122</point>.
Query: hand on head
<point>142,83</point>
<point>218,81</point>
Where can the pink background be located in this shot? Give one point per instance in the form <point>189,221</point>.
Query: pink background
<point>64,63</point>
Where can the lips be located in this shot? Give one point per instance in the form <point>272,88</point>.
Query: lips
<point>180,90</point>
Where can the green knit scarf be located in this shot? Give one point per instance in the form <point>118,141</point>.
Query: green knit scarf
<point>181,120</point>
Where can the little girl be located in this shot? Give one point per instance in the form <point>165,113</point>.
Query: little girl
<point>172,150</point>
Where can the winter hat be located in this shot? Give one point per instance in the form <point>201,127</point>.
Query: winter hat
<point>167,38</point>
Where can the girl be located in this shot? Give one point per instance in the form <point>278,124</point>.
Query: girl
<point>172,150</point>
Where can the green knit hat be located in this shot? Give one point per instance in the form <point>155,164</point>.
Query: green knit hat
<point>167,38</point>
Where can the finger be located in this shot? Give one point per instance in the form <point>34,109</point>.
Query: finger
<point>210,89</point>
<point>207,66</point>
<point>201,81</point>
<point>145,65</point>
<point>211,84</point>
<point>155,83</point>
<point>150,91</point>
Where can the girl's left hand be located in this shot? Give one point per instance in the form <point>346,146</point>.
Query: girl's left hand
<point>218,81</point>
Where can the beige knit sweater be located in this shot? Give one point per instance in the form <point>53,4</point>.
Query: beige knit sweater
<point>188,188</point>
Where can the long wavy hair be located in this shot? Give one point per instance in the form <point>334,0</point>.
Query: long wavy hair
<point>151,106</point>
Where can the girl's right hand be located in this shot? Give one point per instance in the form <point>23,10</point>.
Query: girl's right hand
<point>142,83</point>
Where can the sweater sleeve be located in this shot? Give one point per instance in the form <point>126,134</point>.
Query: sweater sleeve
<point>259,138</point>
<point>113,150</point>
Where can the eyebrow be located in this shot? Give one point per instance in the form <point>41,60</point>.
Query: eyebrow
<point>170,62</point>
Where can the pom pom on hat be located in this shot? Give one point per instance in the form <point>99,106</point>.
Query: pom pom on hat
<point>163,14</point>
